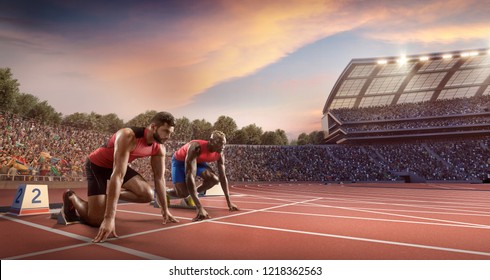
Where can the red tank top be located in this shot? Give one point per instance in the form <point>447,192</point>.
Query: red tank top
<point>104,156</point>
<point>204,156</point>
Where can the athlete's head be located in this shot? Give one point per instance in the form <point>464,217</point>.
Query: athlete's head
<point>217,141</point>
<point>162,124</point>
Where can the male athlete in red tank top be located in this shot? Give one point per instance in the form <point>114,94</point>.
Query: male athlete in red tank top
<point>104,155</point>
<point>190,161</point>
<point>204,156</point>
<point>109,163</point>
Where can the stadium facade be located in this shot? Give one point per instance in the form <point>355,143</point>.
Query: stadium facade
<point>372,85</point>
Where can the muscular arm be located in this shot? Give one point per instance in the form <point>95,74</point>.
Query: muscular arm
<point>190,170</point>
<point>158,166</point>
<point>125,141</point>
<point>224,182</point>
<point>122,147</point>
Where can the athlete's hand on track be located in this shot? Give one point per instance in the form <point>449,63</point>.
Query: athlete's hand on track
<point>168,218</point>
<point>201,215</point>
<point>232,207</point>
<point>107,228</point>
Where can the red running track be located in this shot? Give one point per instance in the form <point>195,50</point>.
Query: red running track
<point>292,221</point>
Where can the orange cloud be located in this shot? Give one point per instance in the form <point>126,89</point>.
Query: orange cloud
<point>440,34</point>
<point>180,60</point>
<point>427,22</point>
<point>204,50</point>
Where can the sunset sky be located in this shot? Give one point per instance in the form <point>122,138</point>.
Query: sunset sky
<point>272,63</point>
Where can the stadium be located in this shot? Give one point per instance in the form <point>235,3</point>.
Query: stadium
<point>431,108</point>
<point>404,161</point>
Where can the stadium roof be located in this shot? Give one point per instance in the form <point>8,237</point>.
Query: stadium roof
<point>411,79</point>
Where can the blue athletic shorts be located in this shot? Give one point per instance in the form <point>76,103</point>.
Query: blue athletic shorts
<point>178,170</point>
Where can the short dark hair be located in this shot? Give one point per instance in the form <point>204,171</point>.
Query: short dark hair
<point>163,118</point>
<point>218,134</point>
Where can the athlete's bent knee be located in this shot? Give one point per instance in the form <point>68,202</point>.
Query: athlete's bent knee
<point>147,195</point>
<point>181,190</point>
<point>212,180</point>
<point>94,221</point>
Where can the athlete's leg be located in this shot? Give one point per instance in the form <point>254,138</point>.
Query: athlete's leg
<point>136,189</point>
<point>210,179</point>
<point>179,191</point>
<point>91,211</point>
<point>95,210</point>
<point>178,180</point>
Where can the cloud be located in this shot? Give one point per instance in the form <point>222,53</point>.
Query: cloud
<point>442,22</point>
<point>153,52</point>
<point>237,39</point>
<point>182,59</point>
<point>439,34</point>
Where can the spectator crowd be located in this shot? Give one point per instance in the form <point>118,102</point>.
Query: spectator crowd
<point>444,107</point>
<point>30,150</point>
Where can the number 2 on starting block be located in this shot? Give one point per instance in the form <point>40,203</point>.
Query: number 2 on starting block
<point>30,200</point>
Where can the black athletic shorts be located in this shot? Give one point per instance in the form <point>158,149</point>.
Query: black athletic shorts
<point>97,177</point>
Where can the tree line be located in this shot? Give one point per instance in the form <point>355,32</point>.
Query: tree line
<point>29,106</point>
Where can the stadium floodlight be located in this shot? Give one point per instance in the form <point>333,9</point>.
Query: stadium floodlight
<point>423,58</point>
<point>402,60</point>
<point>382,61</point>
<point>447,56</point>
<point>467,54</point>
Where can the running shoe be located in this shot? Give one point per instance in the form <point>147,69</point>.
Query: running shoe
<point>68,210</point>
<point>188,202</point>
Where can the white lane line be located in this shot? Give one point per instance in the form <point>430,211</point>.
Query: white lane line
<point>130,251</point>
<point>487,254</point>
<point>393,214</point>
<point>218,218</point>
<point>472,213</point>
<point>397,215</point>
<point>19,257</point>
<point>377,196</point>
<point>428,212</point>
<point>477,226</point>
<point>470,225</point>
<point>332,200</point>
<point>88,241</point>
<point>417,206</point>
<point>335,235</point>
<point>57,231</point>
<point>369,196</point>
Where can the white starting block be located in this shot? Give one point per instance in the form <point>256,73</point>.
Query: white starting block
<point>30,200</point>
<point>181,204</point>
<point>60,219</point>
<point>215,191</point>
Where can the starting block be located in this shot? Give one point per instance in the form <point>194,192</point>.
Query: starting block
<point>180,205</point>
<point>60,219</point>
<point>215,191</point>
<point>30,200</point>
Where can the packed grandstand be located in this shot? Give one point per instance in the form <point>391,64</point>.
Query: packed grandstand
<point>426,115</point>
<point>35,151</point>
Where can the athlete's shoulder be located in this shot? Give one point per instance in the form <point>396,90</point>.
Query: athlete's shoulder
<point>125,134</point>
<point>194,146</point>
<point>125,131</point>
